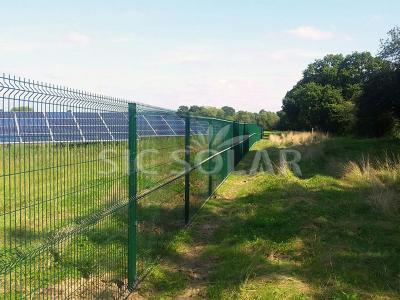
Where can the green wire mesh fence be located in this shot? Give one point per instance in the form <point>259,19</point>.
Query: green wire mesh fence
<point>94,189</point>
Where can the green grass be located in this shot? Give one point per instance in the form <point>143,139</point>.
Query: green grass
<point>63,223</point>
<point>260,237</point>
<point>54,232</point>
<point>281,237</point>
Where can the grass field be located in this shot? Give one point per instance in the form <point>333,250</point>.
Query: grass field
<point>64,219</point>
<point>63,215</point>
<point>334,233</point>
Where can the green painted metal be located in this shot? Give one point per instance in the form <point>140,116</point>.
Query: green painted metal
<point>236,148</point>
<point>77,218</point>
<point>132,141</point>
<point>210,152</point>
<point>187,169</point>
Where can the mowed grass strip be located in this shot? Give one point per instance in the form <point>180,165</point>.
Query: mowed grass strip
<point>326,235</point>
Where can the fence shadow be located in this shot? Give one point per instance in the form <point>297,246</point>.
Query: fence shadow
<point>321,237</point>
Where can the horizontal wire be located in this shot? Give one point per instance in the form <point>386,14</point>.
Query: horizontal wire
<point>96,218</point>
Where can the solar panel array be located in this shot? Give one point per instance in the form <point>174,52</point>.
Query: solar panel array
<point>31,127</point>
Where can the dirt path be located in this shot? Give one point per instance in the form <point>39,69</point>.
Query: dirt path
<point>195,264</point>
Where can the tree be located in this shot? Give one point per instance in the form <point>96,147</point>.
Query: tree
<point>209,111</point>
<point>324,71</point>
<point>342,117</point>
<point>183,109</point>
<point>283,123</point>
<point>245,116</point>
<point>314,106</point>
<point>390,48</point>
<point>267,119</point>
<point>194,109</point>
<point>229,112</point>
<point>339,92</point>
<point>22,108</point>
<point>378,108</point>
<point>356,69</point>
<point>325,97</point>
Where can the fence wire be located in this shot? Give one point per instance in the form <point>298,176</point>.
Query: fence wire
<point>94,189</point>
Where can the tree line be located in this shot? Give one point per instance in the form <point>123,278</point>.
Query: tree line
<point>354,94</point>
<point>266,119</point>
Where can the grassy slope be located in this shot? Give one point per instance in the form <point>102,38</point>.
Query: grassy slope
<point>281,237</point>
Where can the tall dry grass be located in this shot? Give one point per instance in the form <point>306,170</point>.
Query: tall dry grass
<point>381,178</point>
<point>292,138</point>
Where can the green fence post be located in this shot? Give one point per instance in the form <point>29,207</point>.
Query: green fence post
<point>210,179</point>
<point>132,144</point>
<point>241,133</point>
<point>236,140</point>
<point>187,169</point>
<point>231,151</point>
<point>246,143</point>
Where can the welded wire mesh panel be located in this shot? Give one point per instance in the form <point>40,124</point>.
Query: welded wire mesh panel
<point>160,216</point>
<point>200,129</point>
<point>160,157</point>
<point>221,139</point>
<point>239,141</point>
<point>94,189</point>
<point>63,193</point>
<point>253,133</point>
<point>211,144</point>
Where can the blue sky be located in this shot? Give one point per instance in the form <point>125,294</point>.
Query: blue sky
<point>244,54</point>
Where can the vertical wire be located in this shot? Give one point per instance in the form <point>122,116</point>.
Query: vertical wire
<point>3,175</point>
<point>10,200</point>
<point>69,175</point>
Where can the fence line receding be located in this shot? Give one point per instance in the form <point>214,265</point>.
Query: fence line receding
<point>94,188</point>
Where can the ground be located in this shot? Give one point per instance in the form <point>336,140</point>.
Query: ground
<point>333,233</point>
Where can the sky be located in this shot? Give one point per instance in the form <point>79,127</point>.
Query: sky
<point>241,53</point>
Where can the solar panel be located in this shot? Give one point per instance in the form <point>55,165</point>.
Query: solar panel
<point>37,129</point>
<point>176,123</point>
<point>7,123</point>
<point>86,115</point>
<point>32,138</point>
<point>114,118</point>
<point>198,127</point>
<point>159,125</point>
<point>143,127</point>
<point>33,127</point>
<point>8,128</point>
<point>60,119</point>
<point>29,114</point>
<point>64,127</point>
<point>117,124</point>
<point>90,122</point>
<point>92,126</point>
<point>6,115</point>
<point>9,139</point>
<point>88,126</point>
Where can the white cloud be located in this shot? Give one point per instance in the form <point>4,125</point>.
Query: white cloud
<point>311,33</point>
<point>79,39</point>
